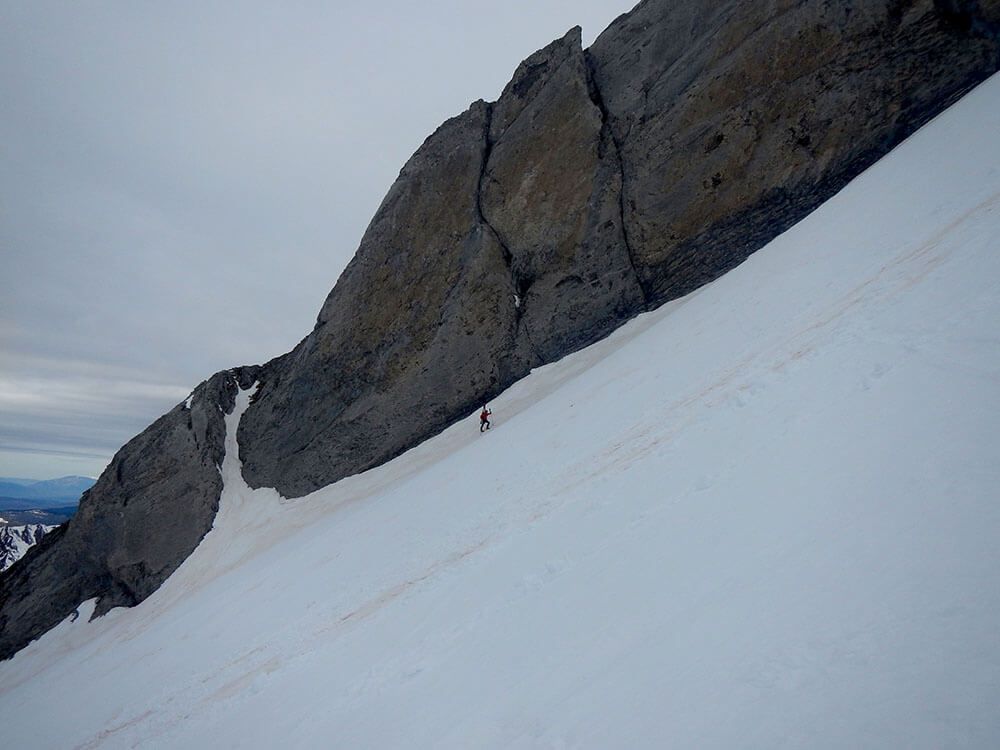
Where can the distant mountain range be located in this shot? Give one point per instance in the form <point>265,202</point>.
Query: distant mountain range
<point>47,516</point>
<point>29,494</point>
<point>30,508</point>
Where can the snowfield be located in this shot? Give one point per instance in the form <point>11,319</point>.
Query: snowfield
<point>764,516</point>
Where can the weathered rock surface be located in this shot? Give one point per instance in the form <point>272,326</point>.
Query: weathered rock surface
<point>420,326</point>
<point>689,135</point>
<point>499,247</point>
<point>600,183</point>
<point>736,119</point>
<point>135,526</point>
<point>550,192</point>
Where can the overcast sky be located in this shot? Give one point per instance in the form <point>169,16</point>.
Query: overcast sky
<point>182,183</point>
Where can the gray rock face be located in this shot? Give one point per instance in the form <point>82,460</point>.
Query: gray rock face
<point>499,247</point>
<point>602,182</point>
<point>736,119</point>
<point>550,192</point>
<point>420,326</point>
<point>148,511</point>
<point>599,183</point>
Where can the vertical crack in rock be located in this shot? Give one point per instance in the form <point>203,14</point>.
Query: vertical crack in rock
<point>519,291</point>
<point>608,131</point>
<point>487,150</point>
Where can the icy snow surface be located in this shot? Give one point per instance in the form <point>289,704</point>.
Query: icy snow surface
<point>763,516</point>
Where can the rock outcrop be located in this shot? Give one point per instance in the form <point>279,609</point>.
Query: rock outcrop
<point>144,516</point>
<point>602,182</point>
<point>735,119</point>
<point>550,193</point>
<point>498,248</point>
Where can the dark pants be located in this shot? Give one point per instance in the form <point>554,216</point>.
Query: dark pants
<point>484,425</point>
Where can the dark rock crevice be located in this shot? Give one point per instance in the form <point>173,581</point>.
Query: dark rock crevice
<point>520,284</point>
<point>608,135</point>
<point>552,191</point>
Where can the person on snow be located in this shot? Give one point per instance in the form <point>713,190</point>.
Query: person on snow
<point>484,419</point>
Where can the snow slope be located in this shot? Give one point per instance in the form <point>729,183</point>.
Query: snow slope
<point>763,516</point>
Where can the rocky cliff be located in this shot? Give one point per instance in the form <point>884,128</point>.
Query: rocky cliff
<point>146,513</point>
<point>601,183</point>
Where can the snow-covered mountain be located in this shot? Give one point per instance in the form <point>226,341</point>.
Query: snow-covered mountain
<point>764,515</point>
<point>15,541</point>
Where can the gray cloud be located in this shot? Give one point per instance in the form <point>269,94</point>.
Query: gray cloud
<point>182,183</point>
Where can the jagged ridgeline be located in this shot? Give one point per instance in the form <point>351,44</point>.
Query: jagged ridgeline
<point>601,183</point>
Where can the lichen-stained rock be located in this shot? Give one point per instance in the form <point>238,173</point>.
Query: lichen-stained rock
<point>735,119</point>
<point>551,192</point>
<point>420,327</point>
<point>147,512</point>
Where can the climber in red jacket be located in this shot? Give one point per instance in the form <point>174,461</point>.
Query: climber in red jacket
<point>484,419</point>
